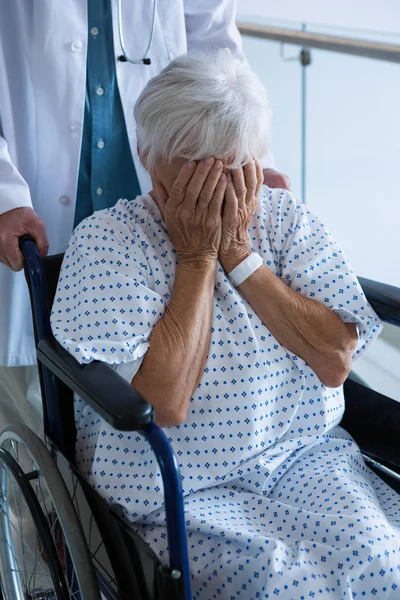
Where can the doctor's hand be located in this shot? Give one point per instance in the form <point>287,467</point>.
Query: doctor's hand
<point>192,212</point>
<point>240,203</point>
<point>13,225</point>
<point>274,179</point>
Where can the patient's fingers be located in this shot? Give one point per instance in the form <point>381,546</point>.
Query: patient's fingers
<point>239,184</point>
<point>178,190</point>
<point>195,185</point>
<point>250,178</point>
<point>215,206</point>
<point>207,191</point>
<point>260,177</point>
<point>230,201</point>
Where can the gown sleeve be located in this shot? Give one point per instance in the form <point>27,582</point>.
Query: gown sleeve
<point>311,262</point>
<point>105,307</point>
<point>211,24</point>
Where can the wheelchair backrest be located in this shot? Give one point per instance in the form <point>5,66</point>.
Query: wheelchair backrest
<point>57,399</point>
<point>52,267</point>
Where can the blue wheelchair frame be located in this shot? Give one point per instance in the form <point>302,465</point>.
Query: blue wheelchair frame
<point>126,411</point>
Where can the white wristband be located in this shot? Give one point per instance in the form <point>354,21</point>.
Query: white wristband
<point>245,269</point>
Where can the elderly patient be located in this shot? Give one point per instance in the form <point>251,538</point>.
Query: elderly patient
<point>233,310</point>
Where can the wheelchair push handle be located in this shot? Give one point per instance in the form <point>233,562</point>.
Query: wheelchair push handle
<point>29,250</point>
<point>22,242</point>
<point>36,280</point>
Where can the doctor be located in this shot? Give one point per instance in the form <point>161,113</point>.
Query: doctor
<point>69,78</point>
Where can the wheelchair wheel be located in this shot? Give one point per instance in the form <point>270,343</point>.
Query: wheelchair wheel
<point>42,548</point>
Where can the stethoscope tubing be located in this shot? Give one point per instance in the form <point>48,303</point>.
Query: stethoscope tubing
<point>145,59</point>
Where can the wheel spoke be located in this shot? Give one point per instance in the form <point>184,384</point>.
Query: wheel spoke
<point>33,555</point>
<point>18,534</point>
<point>27,547</point>
<point>37,558</point>
<point>28,562</point>
<point>18,512</point>
<point>14,451</point>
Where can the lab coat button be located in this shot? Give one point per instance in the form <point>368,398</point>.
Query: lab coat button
<point>99,191</point>
<point>77,46</point>
<point>100,91</point>
<point>100,144</point>
<point>72,127</point>
<point>94,31</point>
<point>64,200</point>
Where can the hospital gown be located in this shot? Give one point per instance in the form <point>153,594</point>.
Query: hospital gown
<point>278,501</point>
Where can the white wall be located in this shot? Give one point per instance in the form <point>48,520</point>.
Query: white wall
<point>375,15</point>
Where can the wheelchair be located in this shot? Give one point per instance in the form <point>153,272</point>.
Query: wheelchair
<point>82,547</point>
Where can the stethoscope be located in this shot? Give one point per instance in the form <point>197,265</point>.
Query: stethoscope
<point>124,57</point>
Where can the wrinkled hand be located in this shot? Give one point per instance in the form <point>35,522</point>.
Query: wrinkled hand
<point>240,203</point>
<point>13,225</point>
<point>274,179</point>
<point>193,210</point>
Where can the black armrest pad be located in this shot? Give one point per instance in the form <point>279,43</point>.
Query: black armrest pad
<point>384,299</point>
<point>96,383</point>
<point>373,420</point>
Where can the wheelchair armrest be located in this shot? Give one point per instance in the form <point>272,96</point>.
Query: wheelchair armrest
<point>384,299</point>
<point>96,383</point>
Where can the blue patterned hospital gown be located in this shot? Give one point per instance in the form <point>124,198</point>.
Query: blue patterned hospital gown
<point>279,503</point>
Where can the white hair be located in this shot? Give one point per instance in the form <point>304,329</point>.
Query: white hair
<point>203,105</point>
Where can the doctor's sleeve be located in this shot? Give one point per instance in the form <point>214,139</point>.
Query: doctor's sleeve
<point>14,191</point>
<point>311,262</point>
<point>210,24</point>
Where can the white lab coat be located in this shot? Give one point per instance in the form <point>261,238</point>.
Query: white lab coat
<point>42,92</point>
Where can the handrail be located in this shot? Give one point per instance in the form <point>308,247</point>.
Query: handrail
<point>344,45</point>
